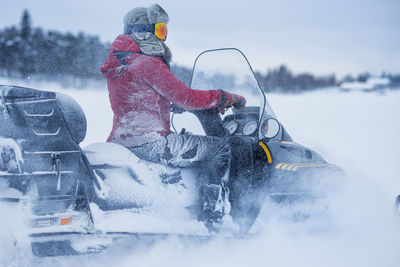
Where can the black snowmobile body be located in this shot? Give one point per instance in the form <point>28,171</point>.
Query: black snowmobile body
<point>65,187</point>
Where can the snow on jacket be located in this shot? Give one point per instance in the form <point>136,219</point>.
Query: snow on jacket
<point>141,89</point>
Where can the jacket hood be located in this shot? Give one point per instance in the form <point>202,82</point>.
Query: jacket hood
<point>122,50</point>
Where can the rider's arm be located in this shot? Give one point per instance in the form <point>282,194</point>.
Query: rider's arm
<point>159,77</point>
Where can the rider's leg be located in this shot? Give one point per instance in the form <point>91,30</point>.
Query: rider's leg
<point>211,156</point>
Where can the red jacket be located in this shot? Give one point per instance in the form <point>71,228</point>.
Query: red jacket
<point>141,89</point>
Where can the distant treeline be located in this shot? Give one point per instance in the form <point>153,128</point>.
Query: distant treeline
<point>26,51</point>
<point>280,79</point>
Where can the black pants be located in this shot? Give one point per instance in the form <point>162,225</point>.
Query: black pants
<point>210,155</point>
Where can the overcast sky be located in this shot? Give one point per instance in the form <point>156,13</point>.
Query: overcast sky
<point>323,37</point>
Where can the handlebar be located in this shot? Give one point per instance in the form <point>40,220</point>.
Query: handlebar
<point>209,119</point>
<point>239,105</point>
<point>175,109</point>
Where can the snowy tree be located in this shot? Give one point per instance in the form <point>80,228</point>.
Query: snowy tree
<point>26,64</point>
<point>26,26</point>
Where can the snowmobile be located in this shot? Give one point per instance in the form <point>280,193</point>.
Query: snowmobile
<point>82,200</point>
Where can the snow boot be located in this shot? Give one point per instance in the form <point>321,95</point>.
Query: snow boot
<point>212,205</point>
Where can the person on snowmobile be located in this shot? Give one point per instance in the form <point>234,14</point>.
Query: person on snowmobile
<point>141,89</point>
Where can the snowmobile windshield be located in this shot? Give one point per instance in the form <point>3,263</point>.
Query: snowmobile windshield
<point>228,69</point>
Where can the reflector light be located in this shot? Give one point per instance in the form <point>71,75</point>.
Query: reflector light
<point>65,221</point>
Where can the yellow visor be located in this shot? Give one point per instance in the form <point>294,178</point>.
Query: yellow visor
<point>161,31</point>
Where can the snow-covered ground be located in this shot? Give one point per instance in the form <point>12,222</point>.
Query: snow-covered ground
<point>357,131</point>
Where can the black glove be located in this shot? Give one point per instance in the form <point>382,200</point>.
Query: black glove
<point>229,99</point>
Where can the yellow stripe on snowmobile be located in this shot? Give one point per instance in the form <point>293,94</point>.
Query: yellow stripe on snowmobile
<point>269,158</point>
<point>278,166</point>
<point>286,142</point>
<point>295,166</point>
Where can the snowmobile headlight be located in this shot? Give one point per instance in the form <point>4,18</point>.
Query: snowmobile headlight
<point>270,128</point>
